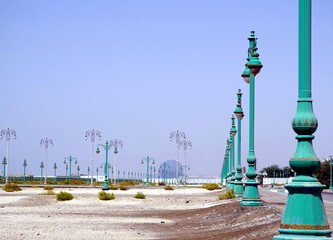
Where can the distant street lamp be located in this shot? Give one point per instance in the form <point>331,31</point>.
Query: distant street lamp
<point>55,171</point>
<point>251,195</point>
<point>179,136</point>
<point>7,132</point>
<point>97,175</point>
<point>106,147</point>
<point>70,159</point>
<point>233,132</point>
<point>239,115</point>
<point>78,171</point>
<point>92,134</point>
<point>115,144</point>
<point>184,143</point>
<point>24,167</point>
<point>46,143</point>
<point>147,159</point>
<point>41,169</point>
<point>88,171</point>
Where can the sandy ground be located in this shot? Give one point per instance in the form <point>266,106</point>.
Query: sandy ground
<point>191,213</point>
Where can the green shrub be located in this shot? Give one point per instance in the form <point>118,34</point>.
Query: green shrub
<point>139,195</point>
<point>74,182</point>
<point>211,186</point>
<point>113,187</point>
<point>48,192</point>
<point>228,195</point>
<point>123,187</point>
<point>168,187</point>
<point>106,196</point>
<point>152,184</point>
<point>11,187</point>
<point>161,184</point>
<point>64,196</point>
<point>47,188</point>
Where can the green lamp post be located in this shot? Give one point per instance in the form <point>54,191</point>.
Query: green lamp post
<point>225,167</point>
<point>41,169</point>
<point>233,132</point>
<point>228,164</point>
<point>97,175</point>
<point>147,159</point>
<point>251,195</point>
<point>55,171</point>
<point>106,147</point>
<point>70,159</point>
<point>24,168</point>
<point>239,115</point>
<point>304,216</point>
<point>78,171</point>
<point>115,143</point>
<point>88,171</point>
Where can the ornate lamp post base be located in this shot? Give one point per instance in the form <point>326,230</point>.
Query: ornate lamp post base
<point>238,188</point>
<point>307,220</point>
<point>251,195</point>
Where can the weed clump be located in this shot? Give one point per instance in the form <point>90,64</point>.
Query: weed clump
<point>64,196</point>
<point>139,195</point>
<point>168,187</point>
<point>105,196</point>
<point>12,187</point>
<point>211,186</point>
<point>228,195</point>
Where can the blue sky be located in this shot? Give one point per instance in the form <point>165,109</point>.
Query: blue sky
<point>138,70</point>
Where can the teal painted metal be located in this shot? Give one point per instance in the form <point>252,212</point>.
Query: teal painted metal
<point>70,159</point>
<point>147,159</point>
<point>228,164</point>
<point>251,195</point>
<point>233,132</point>
<point>78,171</point>
<point>305,216</point>
<point>331,166</point>
<point>239,115</point>
<point>24,168</point>
<point>106,147</point>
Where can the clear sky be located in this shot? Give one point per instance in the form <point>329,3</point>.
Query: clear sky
<point>138,70</point>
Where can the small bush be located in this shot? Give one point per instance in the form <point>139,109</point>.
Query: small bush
<point>48,188</point>
<point>161,184</point>
<point>228,195</point>
<point>139,195</point>
<point>74,182</point>
<point>105,196</point>
<point>113,187</point>
<point>168,187</point>
<point>11,187</point>
<point>152,184</point>
<point>123,187</point>
<point>48,192</point>
<point>64,196</point>
<point>211,186</point>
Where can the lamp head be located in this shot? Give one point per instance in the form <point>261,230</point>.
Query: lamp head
<point>98,151</point>
<point>254,64</point>
<point>246,75</point>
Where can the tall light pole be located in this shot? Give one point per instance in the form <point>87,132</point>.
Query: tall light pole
<point>4,163</point>
<point>78,171</point>
<point>251,195</point>
<point>147,159</point>
<point>115,144</point>
<point>225,166</point>
<point>178,136</point>
<point>46,142</point>
<point>184,144</point>
<point>304,216</point>
<point>92,134</point>
<point>239,115</point>
<point>106,147</point>
<point>233,132</point>
<point>7,132</point>
<point>55,171</point>
<point>24,167</point>
<point>70,159</point>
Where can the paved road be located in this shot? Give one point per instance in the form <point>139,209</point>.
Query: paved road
<point>279,200</point>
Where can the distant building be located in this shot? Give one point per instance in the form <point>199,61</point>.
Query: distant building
<point>168,169</point>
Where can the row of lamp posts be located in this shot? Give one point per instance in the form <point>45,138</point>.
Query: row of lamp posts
<point>305,215</point>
